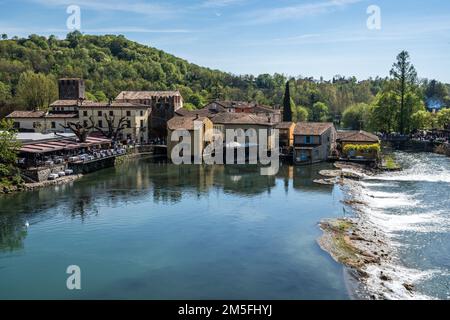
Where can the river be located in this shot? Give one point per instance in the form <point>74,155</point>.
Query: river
<point>412,209</point>
<point>152,230</point>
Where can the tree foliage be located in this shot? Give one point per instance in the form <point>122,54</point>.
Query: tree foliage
<point>287,106</point>
<point>8,151</point>
<point>36,91</point>
<point>404,78</point>
<point>356,117</point>
<point>110,64</point>
<point>319,112</point>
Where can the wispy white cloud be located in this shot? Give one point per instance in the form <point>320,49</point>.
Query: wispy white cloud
<point>296,11</point>
<point>140,7</point>
<point>220,3</point>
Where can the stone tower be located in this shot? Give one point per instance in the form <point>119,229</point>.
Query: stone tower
<point>71,89</point>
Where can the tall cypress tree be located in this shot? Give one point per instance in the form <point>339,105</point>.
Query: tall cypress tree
<point>287,111</point>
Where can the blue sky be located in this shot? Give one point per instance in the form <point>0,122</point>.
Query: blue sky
<point>296,37</point>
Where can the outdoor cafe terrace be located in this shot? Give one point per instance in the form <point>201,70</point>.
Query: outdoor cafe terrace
<point>59,151</point>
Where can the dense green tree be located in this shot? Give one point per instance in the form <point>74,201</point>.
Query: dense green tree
<point>404,77</point>
<point>36,90</point>
<point>301,114</point>
<point>319,112</point>
<point>356,116</point>
<point>422,120</point>
<point>443,118</point>
<point>196,100</point>
<point>383,114</point>
<point>100,96</point>
<point>8,151</point>
<point>5,93</point>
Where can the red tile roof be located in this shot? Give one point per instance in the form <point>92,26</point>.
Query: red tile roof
<point>312,128</point>
<point>357,136</point>
<point>40,115</point>
<point>145,95</point>
<point>241,118</point>
<point>186,123</point>
<point>26,114</point>
<point>62,144</point>
<point>284,125</point>
<point>107,105</point>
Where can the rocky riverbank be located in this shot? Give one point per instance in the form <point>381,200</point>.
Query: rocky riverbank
<point>352,241</point>
<point>56,182</point>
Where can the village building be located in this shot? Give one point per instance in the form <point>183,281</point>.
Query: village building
<point>218,107</point>
<point>71,96</point>
<point>163,105</point>
<point>187,123</point>
<point>313,142</point>
<point>286,131</point>
<point>358,145</point>
<point>133,117</point>
<point>40,121</point>
<point>244,121</point>
<point>49,156</point>
<point>62,111</point>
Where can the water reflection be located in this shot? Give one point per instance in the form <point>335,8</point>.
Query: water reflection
<point>141,181</point>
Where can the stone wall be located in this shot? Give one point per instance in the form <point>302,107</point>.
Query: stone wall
<point>444,149</point>
<point>41,174</point>
<point>83,168</point>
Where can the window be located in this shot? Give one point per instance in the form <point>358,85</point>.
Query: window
<point>85,123</point>
<point>308,140</point>
<point>111,113</point>
<point>128,123</point>
<point>16,125</point>
<point>53,125</point>
<point>142,113</point>
<point>142,124</point>
<point>128,113</point>
<point>99,113</point>
<point>100,123</point>
<point>85,114</point>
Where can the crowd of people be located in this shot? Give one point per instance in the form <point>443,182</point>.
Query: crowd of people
<point>431,136</point>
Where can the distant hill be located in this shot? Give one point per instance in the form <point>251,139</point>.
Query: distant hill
<point>111,63</point>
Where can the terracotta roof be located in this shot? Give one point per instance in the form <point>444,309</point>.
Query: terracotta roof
<point>62,144</point>
<point>244,105</point>
<point>241,118</point>
<point>186,123</point>
<point>61,115</point>
<point>113,105</point>
<point>65,103</point>
<point>40,114</point>
<point>143,95</point>
<point>284,125</point>
<point>208,111</point>
<point>357,136</point>
<point>312,128</point>
<point>26,114</point>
